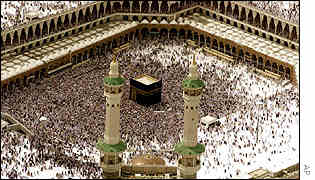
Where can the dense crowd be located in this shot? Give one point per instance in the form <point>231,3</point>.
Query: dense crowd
<point>74,105</point>
<point>288,10</point>
<point>14,13</point>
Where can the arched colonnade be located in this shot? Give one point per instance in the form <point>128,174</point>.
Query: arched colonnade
<point>241,54</point>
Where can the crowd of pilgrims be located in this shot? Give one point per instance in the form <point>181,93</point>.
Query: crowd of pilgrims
<point>15,13</point>
<point>74,104</point>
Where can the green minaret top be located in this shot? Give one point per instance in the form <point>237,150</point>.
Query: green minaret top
<point>114,78</point>
<point>193,79</point>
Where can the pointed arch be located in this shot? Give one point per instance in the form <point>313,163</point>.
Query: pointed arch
<point>144,32</point>
<point>222,7</point>
<point>81,17</point>
<point>221,48</point>
<point>88,15</point>
<point>116,7</point>
<point>30,33</point>
<point>182,4</point>
<point>281,69</point>
<point>59,24</point>
<point>15,38</point>
<point>208,41</point>
<point>135,6</point>
<point>154,6</point>
<point>108,9</point>
<point>272,26</point>
<point>241,53</point>
<point>66,21</point>
<point>164,7</point>
<point>163,32</point>
<point>37,31</point>
<point>288,72</point>
<point>215,44</point>
<point>264,23</point>
<point>52,26</point>
<point>254,60</point>
<point>268,65</point>
<point>173,33</point>
<point>73,18</point>
<point>243,14</point>
<point>45,28</point>
<point>189,35</point>
<point>236,12</point>
<point>279,28</point>
<point>250,18</point>
<point>228,49</point>
<point>286,32</point>
<point>202,40</point>
<point>176,7</point>
<point>94,12</point>
<point>101,10</point>
<point>293,34</point>
<point>182,33</point>
<point>145,7</point>
<point>23,36</point>
<point>196,36</point>
<point>260,62</point>
<point>274,67</point>
<point>229,9</point>
<point>257,20</point>
<point>126,6</point>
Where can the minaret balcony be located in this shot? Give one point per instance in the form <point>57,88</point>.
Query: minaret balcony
<point>110,89</point>
<point>188,170</point>
<point>189,162</point>
<point>192,92</point>
<point>193,84</point>
<point>114,81</point>
<point>110,162</point>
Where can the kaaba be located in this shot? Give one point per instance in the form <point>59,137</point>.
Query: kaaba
<point>145,90</point>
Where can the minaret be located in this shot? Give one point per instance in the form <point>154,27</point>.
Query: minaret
<point>111,146</point>
<point>189,150</point>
